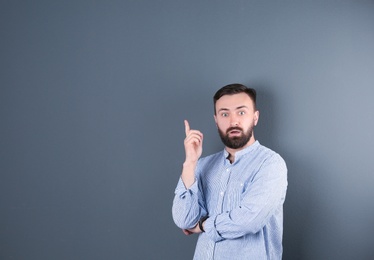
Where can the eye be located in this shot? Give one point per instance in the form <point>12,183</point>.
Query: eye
<point>241,113</point>
<point>224,114</point>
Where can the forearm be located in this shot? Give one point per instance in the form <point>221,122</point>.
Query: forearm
<point>187,204</point>
<point>188,173</point>
<point>234,224</point>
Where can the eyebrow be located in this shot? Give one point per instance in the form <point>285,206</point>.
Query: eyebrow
<point>241,107</point>
<point>226,109</point>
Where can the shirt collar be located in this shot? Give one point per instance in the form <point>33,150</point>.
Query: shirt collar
<point>243,152</point>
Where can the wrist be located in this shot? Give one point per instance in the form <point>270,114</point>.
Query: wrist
<point>201,223</point>
<point>188,174</point>
<point>189,164</point>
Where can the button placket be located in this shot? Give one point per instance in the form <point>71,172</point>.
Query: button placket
<point>225,176</point>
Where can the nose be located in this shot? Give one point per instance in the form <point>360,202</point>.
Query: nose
<point>234,121</point>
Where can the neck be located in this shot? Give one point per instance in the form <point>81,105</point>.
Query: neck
<point>232,151</point>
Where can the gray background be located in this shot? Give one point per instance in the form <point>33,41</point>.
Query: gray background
<point>93,97</point>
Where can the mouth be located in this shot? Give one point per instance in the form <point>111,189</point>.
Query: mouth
<point>234,132</point>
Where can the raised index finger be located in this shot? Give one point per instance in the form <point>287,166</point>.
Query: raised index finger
<point>186,127</point>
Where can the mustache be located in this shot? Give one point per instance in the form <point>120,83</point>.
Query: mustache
<point>233,128</point>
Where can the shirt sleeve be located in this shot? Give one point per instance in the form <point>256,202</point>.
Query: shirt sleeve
<point>264,196</point>
<point>188,206</point>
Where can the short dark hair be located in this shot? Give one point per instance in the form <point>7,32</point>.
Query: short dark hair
<point>232,89</point>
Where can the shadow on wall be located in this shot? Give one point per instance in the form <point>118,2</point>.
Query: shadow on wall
<point>297,212</point>
<point>267,129</point>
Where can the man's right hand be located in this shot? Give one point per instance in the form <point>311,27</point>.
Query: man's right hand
<point>193,146</point>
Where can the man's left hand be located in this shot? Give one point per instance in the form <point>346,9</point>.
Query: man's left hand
<point>195,230</point>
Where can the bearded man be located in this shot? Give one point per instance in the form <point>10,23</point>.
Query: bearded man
<point>232,199</point>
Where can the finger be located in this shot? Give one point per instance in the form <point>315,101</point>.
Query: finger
<point>186,232</point>
<point>186,127</point>
<point>196,139</point>
<point>196,133</point>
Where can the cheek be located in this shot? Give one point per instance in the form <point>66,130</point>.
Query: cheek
<point>250,122</point>
<point>221,125</point>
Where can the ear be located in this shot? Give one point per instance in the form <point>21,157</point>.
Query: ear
<point>215,120</point>
<point>256,117</point>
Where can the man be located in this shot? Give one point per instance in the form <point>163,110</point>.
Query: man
<point>233,199</point>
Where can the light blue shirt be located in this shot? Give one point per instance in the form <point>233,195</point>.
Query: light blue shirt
<point>244,201</point>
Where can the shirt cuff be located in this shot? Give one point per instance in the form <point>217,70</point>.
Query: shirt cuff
<point>181,188</point>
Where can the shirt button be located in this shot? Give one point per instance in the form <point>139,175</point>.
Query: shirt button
<point>221,193</point>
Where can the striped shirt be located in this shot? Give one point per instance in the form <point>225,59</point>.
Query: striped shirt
<point>244,202</point>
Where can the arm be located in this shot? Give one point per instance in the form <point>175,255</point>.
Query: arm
<point>262,199</point>
<point>188,202</point>
<point>193,146</point>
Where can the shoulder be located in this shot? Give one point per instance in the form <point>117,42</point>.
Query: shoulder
<point>268,156</point>
<point>208,166</point>
<point>211,158</point>
<point>210,162</point>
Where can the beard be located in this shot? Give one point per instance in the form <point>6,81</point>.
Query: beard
<point>236,142</point>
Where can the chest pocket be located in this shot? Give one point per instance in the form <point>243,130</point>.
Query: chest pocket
<point>234,194</point>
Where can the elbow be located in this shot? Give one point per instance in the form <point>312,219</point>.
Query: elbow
<point>181,224</point>
<point>254,228</point>
<point>178,220</point>
<point>183,221</point>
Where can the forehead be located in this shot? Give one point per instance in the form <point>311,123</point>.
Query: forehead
<point>234,101</point>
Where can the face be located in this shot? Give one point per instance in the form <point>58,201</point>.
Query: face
<point>235,118</point>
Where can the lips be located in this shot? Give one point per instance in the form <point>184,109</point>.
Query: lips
<point>235,131</point>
